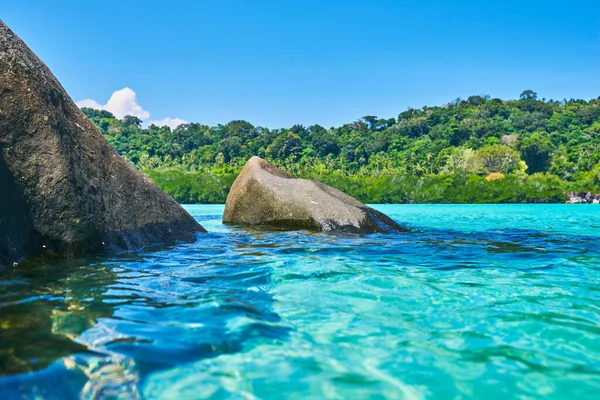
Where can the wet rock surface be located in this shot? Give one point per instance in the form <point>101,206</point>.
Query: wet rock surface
<point>265,195</point>
<point>64,191</point>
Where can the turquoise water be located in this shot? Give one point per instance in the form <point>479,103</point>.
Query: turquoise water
<point>479,301</point>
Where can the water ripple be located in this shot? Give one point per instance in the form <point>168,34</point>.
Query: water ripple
<point>476,301</point>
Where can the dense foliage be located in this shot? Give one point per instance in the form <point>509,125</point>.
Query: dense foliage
<point>473,150</point>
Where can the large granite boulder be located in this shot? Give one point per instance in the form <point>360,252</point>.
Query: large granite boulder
<point>265,195</point>
<point>63,190</point>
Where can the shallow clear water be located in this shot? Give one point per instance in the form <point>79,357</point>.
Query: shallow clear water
<point>482,301</point>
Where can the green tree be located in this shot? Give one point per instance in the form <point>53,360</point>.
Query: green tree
<point>536,151</point>
<point>528,95</point>
<point>130,120</point>
<point>496,158</point>
<point>284,146</point>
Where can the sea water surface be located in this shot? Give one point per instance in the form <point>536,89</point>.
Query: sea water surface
<point>478,301</point>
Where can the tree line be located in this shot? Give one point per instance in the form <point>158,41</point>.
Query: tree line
<point>470,150</point>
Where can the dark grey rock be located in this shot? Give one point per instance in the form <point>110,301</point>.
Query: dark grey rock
<point>63,190</point>
<point>265,195</point>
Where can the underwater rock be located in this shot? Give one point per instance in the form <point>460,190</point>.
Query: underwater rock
<point>63,189</point>
<point>265,195</point>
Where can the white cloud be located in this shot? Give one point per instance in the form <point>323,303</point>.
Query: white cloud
<point>90,104</point>
<point>124,102</point>
<point>121,103</point>
<point>170,122</point>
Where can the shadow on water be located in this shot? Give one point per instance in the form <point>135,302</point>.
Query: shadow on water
<point>104,324</point>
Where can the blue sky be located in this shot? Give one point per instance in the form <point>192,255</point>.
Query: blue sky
<point>277,63</point>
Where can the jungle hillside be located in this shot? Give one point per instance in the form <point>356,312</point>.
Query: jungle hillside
<point>473,150</point>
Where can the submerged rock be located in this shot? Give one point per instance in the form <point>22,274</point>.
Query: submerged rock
<point>265,195</point>
<point>63,190</point>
